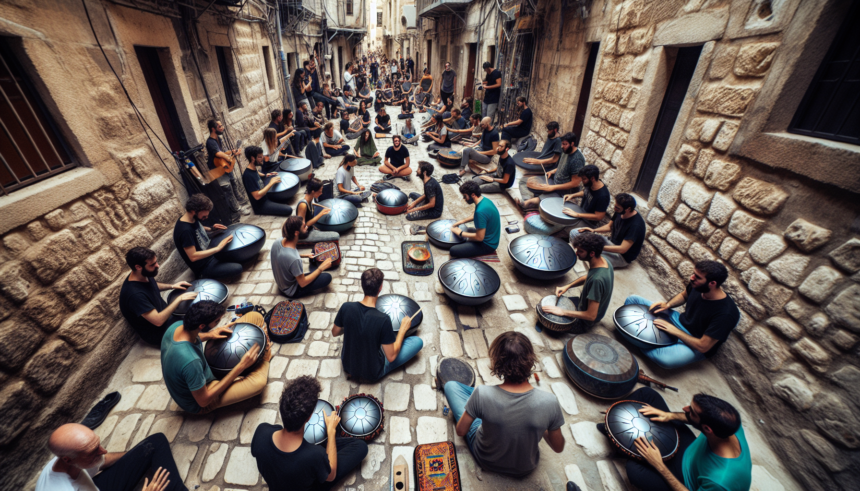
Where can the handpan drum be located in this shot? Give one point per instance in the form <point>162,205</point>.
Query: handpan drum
<point>520,156</point>
<point>391,201</point>
<point>284,190</point>
<point>361,416</point>
<point>469,281</point>
<point>397,307</point>
<point>439,234</point>
<point>449,158</point>
<point>600,366</point>
<point>341,217</point>
<point>315,429</point>
<point>624,424</point>
<point>247,242</point>
<point>532,181</point>
<point>636,325</point>
<point>542,257</point>
<point>206,290</point>
<point>300,167</point>
<point>454,370</point>
<point>223,355</point>
<point>534,224</point>
<point>554,322</point>
<point>551,211</point>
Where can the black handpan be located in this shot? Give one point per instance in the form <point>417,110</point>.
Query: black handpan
<point>469,281</point>
<point>520,156</point>
<point>439,234</point>
<point>247,242</point>
<point>543,257</point>
<point>625,424</point>
<point>551,211</point>
<point>636,324</point>
<point>206,290</point>
<point>223,355</point>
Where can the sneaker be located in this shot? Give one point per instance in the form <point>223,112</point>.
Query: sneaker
<point>571,486</point>
<point>387,177</point>
<point>405,178</point>
<point>99,412</point>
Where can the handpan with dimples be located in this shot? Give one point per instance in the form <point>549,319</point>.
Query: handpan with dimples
<point>636,324</point>
<point>284,190</point>
<point>625,424</point>
<point>247,242</point>
<point>551,211</point>
<point>206,290</point>
<point>600,366</point>
<point>391,201</point>
<point>361,416</point>
<point>300,167</point>
<point>520,156</point>
<point>223,355</point>
<point>439,234</point>
<point>543,257</point>
<point>341,217</point>
<point>315,429</point>
<point>554,322</point>
<point>469,281</point>
<point>396,307</point>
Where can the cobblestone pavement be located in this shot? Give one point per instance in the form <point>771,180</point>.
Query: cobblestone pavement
<point>213,452</point>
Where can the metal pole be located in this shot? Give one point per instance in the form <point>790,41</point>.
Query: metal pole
<point>289,98</point>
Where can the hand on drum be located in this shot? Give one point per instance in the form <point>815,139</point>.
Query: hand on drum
<point>224,243</point>
<point>187,296</point>
<point>530,161</point>
<point>331,422</point>
<point>658,307</point>
<point>182,285</point>
<point>655,414</point>
<point>649,452</point>
<point>585,229</point>
<point>667,326</point>
<point>221,332</point>
<point>553,309</point>
<point>325,264</point>
<point>275,180</point>
<point>570,213</point>
<point>218,226</point>
<point>568,197</point>
<point>248,358</point>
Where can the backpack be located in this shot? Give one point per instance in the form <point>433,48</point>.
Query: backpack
<point>327,190</point>
<point>527,144</point>
<point>287,322</point>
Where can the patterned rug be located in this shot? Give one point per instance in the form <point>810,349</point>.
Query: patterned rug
<point>413,268</point>
<point>436,467</point>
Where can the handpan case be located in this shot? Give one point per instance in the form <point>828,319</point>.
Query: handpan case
<point>391,201</point>
<point>624,424</point>
<point>223,355</point>
<point>206,290</point>
<point>361,416</point>
<point>396,307</point>
<point>520,156</point>
<point>341,217</point>
<point>554,322</point>
<point>600,366</point>
<point>300,167</point>
<point>247,242</point>
<point>469,281</point>
<point>551,211</point>
<point>636,324</point>
<point>284,190</point>
<point>315,429</point>
<point>542,257</point>
<point>439,234</point>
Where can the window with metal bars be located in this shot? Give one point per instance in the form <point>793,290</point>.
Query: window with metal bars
<point>31,147</point>
<point>831,107</point>
<point>348,7</point>
<point>228,77</point>
<point>379,18</point>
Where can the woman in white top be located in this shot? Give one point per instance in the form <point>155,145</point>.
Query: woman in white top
<point>344,180</point>
<point>271,155</point>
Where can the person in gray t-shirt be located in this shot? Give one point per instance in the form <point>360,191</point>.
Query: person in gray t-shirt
<point>287,262</point>
<point>504,424</point>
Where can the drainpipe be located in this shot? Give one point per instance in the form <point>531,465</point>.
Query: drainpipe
<point>289,101</point>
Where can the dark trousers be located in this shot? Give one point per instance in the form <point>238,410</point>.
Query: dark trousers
<point>382,129</point>
<point>217,269</point>
<point>513,132</point>
<point>423,215</point>
<point>334,152</point>
<point>142,461</point>
<point>270,207</point>
<point>153,334</point>
<point>350,453</point>
<point>641,474</point>
<point>328,103</point>
<point>445,96</point>
<point>471,248</point>
<point>318,283</point>
<point>405,116</point>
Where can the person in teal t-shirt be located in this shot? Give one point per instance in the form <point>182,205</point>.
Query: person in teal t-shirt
<point>717,460</point>
<point>484,237</point>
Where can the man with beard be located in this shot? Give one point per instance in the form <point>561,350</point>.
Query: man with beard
<point>287,262</point>
<point>709,316</point>
<point>140,299</point>
<point>192,241</point>
<point>503,178</point>
<point>521,126</point>
<point>595,199</point>
<point>718,459</point>
<point>562,179</point>
<point>257,189</point>
<point>227,182</point>
<point>432,201</point>
<point>597,284</point>
<point>484,237</point>
<point>626,232</point>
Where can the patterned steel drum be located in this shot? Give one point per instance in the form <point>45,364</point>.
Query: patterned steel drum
<point>469,281</point>
<point>636,324</point>
<point>397,307</point>
<point>361,416</point>
<point>456,370</point>
<point>554,322</point>
<point>600,366</point>
<point>224,354</point>
<point>392,201</point>
<point>534,224</point>
<point>315,431</point>
<point>543,257</point>
<point>247,242</point>
<point>206,290</point>
<point>550,211</point>
<point>520,156</point>
<point>439,234</point>
<point>300,167</point>
<point>341,217</point>
<point>286,189</point>
<point>625,424</point>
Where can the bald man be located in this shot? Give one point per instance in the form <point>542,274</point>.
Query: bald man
<point>82,464</point>
<point>483,154</point>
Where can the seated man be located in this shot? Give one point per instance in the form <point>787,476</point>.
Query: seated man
<point>287,263</point>
<point>504,424</point>
<point>409,132</point>
<point>192,240</point>
<point>371,350</point>
<point>709,316</point>
<point>344,180</point>
<point>406,109</point>
<point>521,126</point>
<point>719,458</point>
<point>439,135</point>
<point>486,151</point>
<point>595,198</point>
<point>383,122</point>
<point>253,180</point>
<point>346,103</point>
<point>484,238</point>
<point>81,463</point>
<point>287,461</point>
<point>432,199</point>
<point>140,299</point>
<point>186,372</point>
<point>332,142</point>
<point>626,233</point>
<point>503,178</point>
<point>396,163</point>
<point>562,179</point>
<point>592,303</point>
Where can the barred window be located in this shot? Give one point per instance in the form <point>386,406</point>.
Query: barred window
<point>348,7</point>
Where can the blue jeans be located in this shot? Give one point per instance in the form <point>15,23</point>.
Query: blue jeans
<point>457,395</point>
<point>408,350</point>
<point>668,357</point>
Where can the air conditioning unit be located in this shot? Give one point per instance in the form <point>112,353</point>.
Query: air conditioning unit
<point>408,16</point>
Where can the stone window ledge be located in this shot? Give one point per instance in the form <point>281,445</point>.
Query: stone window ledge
<point>25,205</point>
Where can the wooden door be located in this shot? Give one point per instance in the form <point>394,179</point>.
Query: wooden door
<point>470,70</point>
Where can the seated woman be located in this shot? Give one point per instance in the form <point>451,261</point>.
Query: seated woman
<point>383,122</point>
<point>344,180</point>
<point>311,212</point>
<point>436,106</point>
<point>380,101</point>
<point>287,263</point>
<point>439,134</point>
<point>406,109</point>
<point>409,132</point>
<point>364,115</point>
<point>273,151</point>
<point>470,135</point>
<point>365,149</point>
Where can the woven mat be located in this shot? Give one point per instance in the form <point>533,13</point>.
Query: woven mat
<point>416,269</point>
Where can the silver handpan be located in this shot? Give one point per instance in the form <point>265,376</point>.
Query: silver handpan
<point>315,429</point>
<point>286,189</point>
<point>396,307</point>
<point>543,257</point>
<point>300,167</point>
<point>341,218</point>
<point>439,234</point>
<point>636,325</point>
<point>206,290</point>
<point>223,355</point>
<point>469,281</point>
<point>551,211</point>
<point>624,424</point>
<point>247,242</point>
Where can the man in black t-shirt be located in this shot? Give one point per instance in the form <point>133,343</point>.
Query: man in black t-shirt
<point>521,126</point>
<point>383,122</point>
<point>493,87</point>
<point>192,241</point>
<point>709,316</point>
<point>371,350</point>
<point>227,182</point>
<point>595,199</point>
<point>406,109</point>
<point>396,163</point>
<point>503,178</point>
<point>257,191</point>
<point>626,232</point>
<point>140,299</point>
<point>287,461</point>
<point>432,202</point>
<point>485,151</point>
